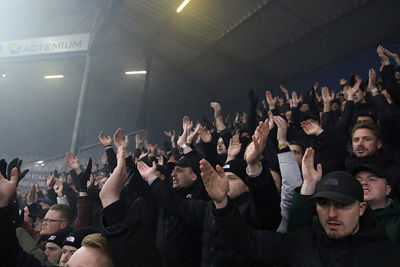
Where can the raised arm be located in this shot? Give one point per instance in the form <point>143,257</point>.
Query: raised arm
<point>290,171</point>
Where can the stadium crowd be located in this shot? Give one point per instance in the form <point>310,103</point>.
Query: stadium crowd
<point>307,180</point>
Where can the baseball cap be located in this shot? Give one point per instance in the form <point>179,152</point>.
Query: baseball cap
<point>379,172</point>
<point>186,162</point>
<point>339,186</point>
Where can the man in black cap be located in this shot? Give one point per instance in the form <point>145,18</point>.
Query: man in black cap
<point>179,243</point>
<point>258,199</point>
<point>377,191</point>
<point>53,246</point>
<point>346,234</point>
<point>73,241</point>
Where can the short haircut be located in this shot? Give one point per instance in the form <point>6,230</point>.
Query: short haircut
<point>65,211</point>
<point>367,125</point>
<point>298,143</point>
<point>97,241</point>
<point>367,114</point>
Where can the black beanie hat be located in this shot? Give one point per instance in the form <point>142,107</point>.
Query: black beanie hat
<point>238,167</point>
<point>74,239</point>
<point>58,237</point>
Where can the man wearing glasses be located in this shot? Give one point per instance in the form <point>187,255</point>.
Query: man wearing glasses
<point>58,217</point>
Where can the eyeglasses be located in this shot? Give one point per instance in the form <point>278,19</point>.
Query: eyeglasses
<point>45,220</point>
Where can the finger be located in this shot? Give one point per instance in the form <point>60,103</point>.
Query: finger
<point>319,169</point>
<point>256,142</point>
<point>3,167</point>
<point>14,175</point>
<point>220,171</point>
<point>126,141</point>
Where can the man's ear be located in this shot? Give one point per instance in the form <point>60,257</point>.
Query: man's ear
<point>388,190</point>
<point>64,225</point>
<point>378,145</point>
<point>194,176</point>
<point>363,206</point>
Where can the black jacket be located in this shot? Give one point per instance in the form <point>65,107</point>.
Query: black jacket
<point>179,243</point>
<point>11,254</point>
<point>309,246</point>
<point>260,207</point>
<point>129,230</point>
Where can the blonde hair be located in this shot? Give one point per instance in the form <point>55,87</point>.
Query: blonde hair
<point>97,241</point>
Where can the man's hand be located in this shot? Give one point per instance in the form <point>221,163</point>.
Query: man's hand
<point>119,140</point>
<point>256,147</point>
<point>138,141</point>
<point>393,55</point>
<point>294,102</point>
<point>217,109</point>
<point>105,140</point>
<point>284,90</point>
<point>32,195</point>
<point>187,124</point>
<point>234,148</point>
<point>271,123</point>
<point>271,100</point>
<point>215,182</point>
<point>49,180</point>
<point>326,96</point>
<point>372,82</point>
<point>147,172</point>
<point>8,187</point>
<point>182,139</point>
<point>282,129</point>
<point>381,53</point>
<point>353,90</point>
<point>72,162</point>
<point>205,135</point>
<point>113,187</point>
<point>170,134</point>
<point>149,147</point>
<point>310,175</point>
<point>192,135</point>
<point>311,128</point>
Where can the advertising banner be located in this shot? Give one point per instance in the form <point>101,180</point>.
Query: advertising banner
<point>45,45</point>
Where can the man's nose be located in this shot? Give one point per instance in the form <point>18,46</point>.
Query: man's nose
<point>332,212</point>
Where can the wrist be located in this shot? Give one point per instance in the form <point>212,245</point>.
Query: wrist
<point>307,188</point>
<point>183,146</point>
<point>254,167</point>
<point>282,143</point>
<point>374,91</point>
<point>319,131</point>
<point>222,203</point>
<point>108,200</point>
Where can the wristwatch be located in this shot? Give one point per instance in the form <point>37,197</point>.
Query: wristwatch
<point>184,146</point>
<point>283,145</point>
